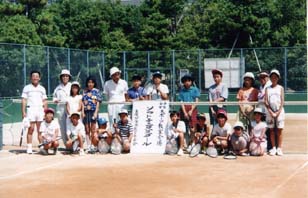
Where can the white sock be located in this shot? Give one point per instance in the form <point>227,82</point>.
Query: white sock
<point>29,146</point>
<point>88,140</point>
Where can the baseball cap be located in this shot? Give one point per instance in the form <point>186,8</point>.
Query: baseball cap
<point>275,71</point>
<point>238,124</point>
<point>76,83</point>
<point>101,121</point>
<point>114,70</point>
<point>75,113</point>
<point>258,110</point>
<point>222,112</point>
<point>157,74</point>
<point>49,110</point>
<point>201,115</point>
<point>123,111</point>
<point>249,75</point>
<point>65,72</point>
<point>217,71</point>
<point>187,77</point>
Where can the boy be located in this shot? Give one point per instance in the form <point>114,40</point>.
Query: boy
<point>123,131</point>
<point>102,137</point>
<point>158,91</point>
<point>221,132</point>
<point>34,98</point>
<point>218,92</point>
<point>176,130</point>
<point>201,131</point>
<point>49,132</point>
<point>75,133</point>
<point>274,101</point>
<point>239,139</point>
<point>136,92</point>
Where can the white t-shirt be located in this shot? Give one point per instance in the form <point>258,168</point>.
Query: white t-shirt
<point>257,128</point>
<point>75,130</point>
<point>34,95</point>
<point>62,92</point>
<point>115,92</point>
<point>155,95</point>
<point>48,130</point>
<point>181,126</point>
<point>222,131</point>
<point>73,103</point>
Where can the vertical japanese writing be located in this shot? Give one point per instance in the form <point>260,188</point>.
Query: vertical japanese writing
<point>135,142</point>
<point>162,107</point>
<point>149,125</point>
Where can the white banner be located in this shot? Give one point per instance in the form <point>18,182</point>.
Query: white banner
<point>150,120</point>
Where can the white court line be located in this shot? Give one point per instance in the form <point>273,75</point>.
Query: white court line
<point>290,177</point>
<point>40,168</point>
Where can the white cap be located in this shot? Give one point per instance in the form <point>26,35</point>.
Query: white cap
<point>249,75</point>
<point>123,111</point>
<point>275,71</point>
<point>65,72</point>
<point>238,124</point>
<point>114,70</point>
<point>258,110</point>
<point>76,83</point>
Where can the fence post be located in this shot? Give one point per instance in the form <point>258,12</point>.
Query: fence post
<point>103,63</point>
<point>173,76</point>
<point>88,72</point>
<point>199,69</point>
<point>48,70</point>
<point>69,59</point>
<point>149,66</point>
<point>242,69</point>
<point>25,64</point>
<point>1,129</point>
<point>285,68</point>
<point>124,66</point>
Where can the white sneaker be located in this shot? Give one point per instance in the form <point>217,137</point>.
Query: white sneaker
<point>180,152</point>
<point>75,145</point>
<point>273,151</point>
<point>81,152</point>
<point>279,152</point>
<point>29,150</point>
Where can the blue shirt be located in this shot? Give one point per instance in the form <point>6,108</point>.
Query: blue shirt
<point>189,95</point>
<point>90,99</point>
<point>134,93</point>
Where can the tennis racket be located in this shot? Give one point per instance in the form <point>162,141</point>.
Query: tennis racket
<point>21,136</point>
<point>47,142</point>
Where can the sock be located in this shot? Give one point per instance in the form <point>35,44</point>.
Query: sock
<point>29,146</point>
<point>88,140</point>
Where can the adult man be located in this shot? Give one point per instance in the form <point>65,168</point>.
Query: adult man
<point>158,90</point>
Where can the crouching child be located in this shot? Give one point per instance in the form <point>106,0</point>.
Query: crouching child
<point>49,132</point>
<point>102,137</point>
<point>75,134</point>
<point>239,139</point>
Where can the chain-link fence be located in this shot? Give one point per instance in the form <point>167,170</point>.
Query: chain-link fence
<point>18,60</point>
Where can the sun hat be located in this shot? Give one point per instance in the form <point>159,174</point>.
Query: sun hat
<point>123,111</point>
<point>275,71</point>
<point>238,124</point>
<point>114,70</point>
<point>65,72</point>
<point>249,75</point>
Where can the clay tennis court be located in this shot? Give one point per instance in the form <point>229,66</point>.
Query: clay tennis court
<point>128,175</point>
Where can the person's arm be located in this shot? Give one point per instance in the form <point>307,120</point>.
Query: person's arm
<point>68,108</point>
<point>80,104</point>
<point>54,96</point>
<point>282,102</point>
<point>56,134</point>
<point>23,107</point>
<point>96,110</point>
<point>267,105</point>
<point>163,93</point>
<point>127,98</point>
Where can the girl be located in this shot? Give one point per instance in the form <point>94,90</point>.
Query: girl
<point>201,130</point>
<point>90,99</point>
<point>258,142</point>
<point>74,102</point>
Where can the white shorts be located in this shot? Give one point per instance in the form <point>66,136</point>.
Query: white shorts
<point>35,114</point>
<point>270,121</point>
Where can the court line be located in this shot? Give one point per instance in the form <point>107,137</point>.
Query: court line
<point>290,177</point>
<point>40,168</point>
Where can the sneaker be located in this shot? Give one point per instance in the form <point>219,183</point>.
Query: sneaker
<point>29,150</point>
<point>81,152</point>
<point>180,152</point>
<point>279,152</point>
<point>75,145</point>
<point>273,151</point>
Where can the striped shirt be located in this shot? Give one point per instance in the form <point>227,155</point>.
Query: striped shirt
<point>125,129</point>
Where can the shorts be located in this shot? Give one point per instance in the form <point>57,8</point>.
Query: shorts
<point>270,121</point>
<point>35,114</point>
<point>89,117</point>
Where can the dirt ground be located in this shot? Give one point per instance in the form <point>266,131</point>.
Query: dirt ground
<point>145,175</point>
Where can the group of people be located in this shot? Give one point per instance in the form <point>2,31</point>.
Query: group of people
<point>79,123</point>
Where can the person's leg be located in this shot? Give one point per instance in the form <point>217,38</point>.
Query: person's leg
<point>279,138</point>
<point>272,138</point>
<point>39,135</point>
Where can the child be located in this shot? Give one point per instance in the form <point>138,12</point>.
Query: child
<point>91,99</point>
<point>188,113</point>
<point>75,133</point>
<point>34,98</point>
<point>247,94</point>
<point>201,131</point>
<point>158,91</point>
<point>258,143</point>
<point>74,101</point>
<point>221,132</point>
<point>239,139</point>
<point>123,131</point>
<point>60,96</point>
<point>103,136</point>
<point>176,130</point>
<point>218,92</point>
<point>49,132</point>
<point>274,101</point>
<point>136,92</point>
